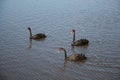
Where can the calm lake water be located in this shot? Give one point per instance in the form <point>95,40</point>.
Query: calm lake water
<point>96,20</point>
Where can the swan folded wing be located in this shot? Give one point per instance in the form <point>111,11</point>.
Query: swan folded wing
<point>76,57</point>
<point>82,42</point>
<point>39,36</point>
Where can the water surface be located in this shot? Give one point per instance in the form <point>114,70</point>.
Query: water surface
<point>96,20</point>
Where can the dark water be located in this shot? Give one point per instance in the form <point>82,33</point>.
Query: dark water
<point>96,20</point>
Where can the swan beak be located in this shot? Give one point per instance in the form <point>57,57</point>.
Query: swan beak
<point>58,50</point>
<point>71,32</point>
<point>27,30</point>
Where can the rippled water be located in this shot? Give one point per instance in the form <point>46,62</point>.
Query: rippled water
<point>96,20</point>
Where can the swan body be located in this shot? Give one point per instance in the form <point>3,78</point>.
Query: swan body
<point>73,57</point>
<point>36,36</point>
<point>80,42</point>
<point>76,57</point>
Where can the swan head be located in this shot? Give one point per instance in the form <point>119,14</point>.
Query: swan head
<point>59,50</point>
<point>73,31</point>
<point>29,28</point>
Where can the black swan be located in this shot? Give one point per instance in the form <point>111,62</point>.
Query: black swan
<point>73,57</point>
<point>80,42</point>
<point>37,36</point>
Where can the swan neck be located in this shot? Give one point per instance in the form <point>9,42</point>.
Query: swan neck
<point>65,53</point>
<point>30,33</point>
<point>74,37</point>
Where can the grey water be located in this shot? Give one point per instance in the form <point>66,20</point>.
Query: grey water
<point>96,20</point>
